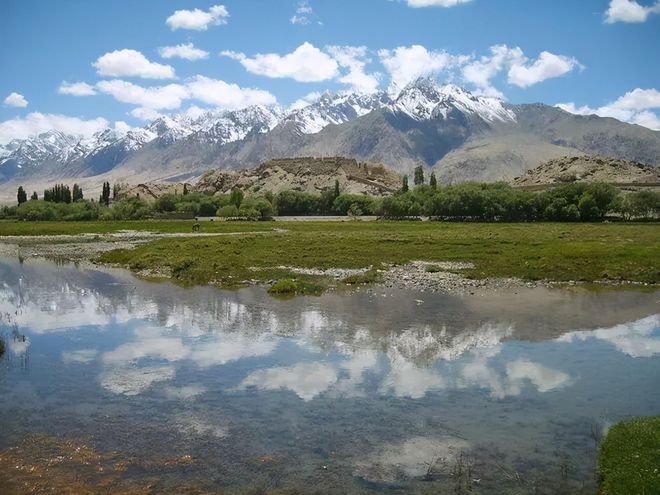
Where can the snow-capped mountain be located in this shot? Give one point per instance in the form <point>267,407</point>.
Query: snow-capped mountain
<point>424,122</point>
<point>425,99</point>
<point>335,109</point>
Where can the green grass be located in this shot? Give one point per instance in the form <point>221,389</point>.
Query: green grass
<point>559,252</point>
<point>287,287</point>
<point>630,458</point>
<point>11,227</point>
<point>533,251</point>
<point>369,277</point>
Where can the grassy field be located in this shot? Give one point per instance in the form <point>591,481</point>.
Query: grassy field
<point>629,458</point>
<point>534,251</point>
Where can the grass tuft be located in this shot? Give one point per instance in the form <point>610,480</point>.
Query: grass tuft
<point>629,457</point>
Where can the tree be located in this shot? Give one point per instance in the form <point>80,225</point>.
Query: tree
<point>105,195</point>
<point>185,189</point>
<point>418,178</point>
<point>433,182</point>
<point>77,193</point>
<point>35,196</point>
<point>21,196</point>
<point>236,197</point>
<point>588,208</point>
<point>336,191</point>
<point>404,185</point>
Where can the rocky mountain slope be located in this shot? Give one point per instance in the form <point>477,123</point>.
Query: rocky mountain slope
<point>589,168</point>
<point>444,127</point>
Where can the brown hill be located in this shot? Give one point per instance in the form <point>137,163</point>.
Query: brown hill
<point>307,174</point>
<point>589,168</point>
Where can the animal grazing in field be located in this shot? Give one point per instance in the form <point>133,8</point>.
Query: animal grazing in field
<point>195,227</point>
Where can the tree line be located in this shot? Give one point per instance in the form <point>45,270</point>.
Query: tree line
<point>470,201</point>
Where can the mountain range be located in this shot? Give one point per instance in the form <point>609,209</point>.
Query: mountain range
<point>460,135</point>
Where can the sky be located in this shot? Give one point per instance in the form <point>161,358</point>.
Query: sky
<point>81,65</point>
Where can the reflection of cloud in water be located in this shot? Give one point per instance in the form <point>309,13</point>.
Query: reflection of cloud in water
<point>219,351</point>
<point>306,380</point>
<point>18,346</point>
<point>82,356</point>
<point>409,459</point>
<point>149,343</point>
<point>133,381</point>
<point>405,379</point>
<point>511,382</point>
<point>193,425</point>
<point>634,339</point>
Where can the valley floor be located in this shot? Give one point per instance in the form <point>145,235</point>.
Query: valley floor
<point>309,257</point>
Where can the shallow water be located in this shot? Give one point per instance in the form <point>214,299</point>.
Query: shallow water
<point>203,391</point>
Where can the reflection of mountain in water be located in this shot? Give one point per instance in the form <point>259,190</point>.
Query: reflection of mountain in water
<point>373,333</point>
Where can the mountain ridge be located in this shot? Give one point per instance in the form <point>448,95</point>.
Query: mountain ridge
<point>460,135</point>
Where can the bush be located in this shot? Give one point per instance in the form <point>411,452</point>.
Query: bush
<point>284,286</point>
<point>229,211</point>
<point>38,211</point>
<point>127,209</point>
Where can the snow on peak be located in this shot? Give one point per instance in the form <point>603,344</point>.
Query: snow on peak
<point>334,109</point>
<point>425,98</point>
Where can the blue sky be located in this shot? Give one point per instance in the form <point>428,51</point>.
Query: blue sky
<point>595,56</point>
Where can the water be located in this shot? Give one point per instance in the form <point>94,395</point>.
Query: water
<point>119,384</point>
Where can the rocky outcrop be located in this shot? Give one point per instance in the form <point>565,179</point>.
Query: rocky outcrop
<point>309,174</point>
<point>590,168</point>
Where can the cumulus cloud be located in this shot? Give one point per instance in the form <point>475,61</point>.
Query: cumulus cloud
<point>547,66</point>
<point>303,13</point>
<point>407,63</point>
<point>156,98</point>
<point>629,11</point>
<point>520,70</point>
<point>198,20</point>
<point>35,123</point>
<point>305,64</point>
<point>435,3</point>
<point>16,100</point>
<point>186,51</point>
<point>634,107</point>
<point>354,59</point>
<point>76,89</point>
<point>228,96</point>
<point>131,63</point>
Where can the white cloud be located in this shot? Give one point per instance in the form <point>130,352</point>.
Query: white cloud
<point>303,13</point>
<point>133,381</point>
<point>435,3</point>
<point>186,51</point>
<point>406,64</point>
<point>547,66</point>
<point>629,11</point>
<point>480,72</point>
<point>16,100</point>
<point>354,58</point>
<point>634,107</point>
<point>155,98</point>
<point>197,19</point>
<point>131,63</point>
<point>146,114</point>
<point>35,123</point>
<point>76,89</point>
<point>306,100</point>
<point>305,64</point>
<point>82,356</point>
<point>228,96</point>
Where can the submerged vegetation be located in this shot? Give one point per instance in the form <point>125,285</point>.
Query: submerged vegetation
<point>629,457</point>
<point>471,201</point>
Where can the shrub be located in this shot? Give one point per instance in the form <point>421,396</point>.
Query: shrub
<point>227,211</point>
